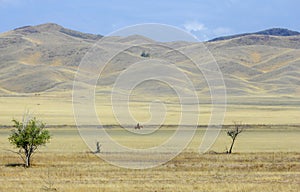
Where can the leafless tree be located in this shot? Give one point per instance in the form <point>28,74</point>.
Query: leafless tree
<point>233,133</point>
<point>98,147</point>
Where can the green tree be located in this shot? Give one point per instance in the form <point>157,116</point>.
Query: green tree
<point>28,136</point>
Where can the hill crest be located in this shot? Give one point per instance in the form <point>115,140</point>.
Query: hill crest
<point>269,32</point>
<point>52,27</point>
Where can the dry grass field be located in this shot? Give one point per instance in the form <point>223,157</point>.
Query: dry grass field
<point>56,109</point>
<point>261,74</point>
<point>266,158</point>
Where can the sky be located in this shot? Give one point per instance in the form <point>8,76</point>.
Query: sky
<point>206,19</point>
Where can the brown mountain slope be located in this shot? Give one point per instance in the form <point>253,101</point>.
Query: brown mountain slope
<point>37,58</point>
<point>273,60</point>
<point>45,58</point>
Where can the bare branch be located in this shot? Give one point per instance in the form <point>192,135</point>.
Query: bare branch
<point>233,133</point>
<point>19,153</point>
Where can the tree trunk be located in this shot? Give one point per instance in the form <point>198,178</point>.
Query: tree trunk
<point>230,149</point>
<point>27,162</point>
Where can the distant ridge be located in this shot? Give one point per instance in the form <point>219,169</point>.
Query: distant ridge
<point>273,32</point>
<point>55,27</point>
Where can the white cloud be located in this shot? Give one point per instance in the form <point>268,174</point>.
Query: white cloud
<point>204,33</point>
<point>194,26</point>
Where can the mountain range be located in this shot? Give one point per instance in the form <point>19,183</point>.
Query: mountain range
<point>44,58</point>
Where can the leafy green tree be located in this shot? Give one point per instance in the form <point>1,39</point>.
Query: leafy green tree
<point>28,136</point>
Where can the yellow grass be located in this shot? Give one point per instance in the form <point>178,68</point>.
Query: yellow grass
<point>56,109</point>
<point>266,159</point>
<point>256,57</point>
<point>32,40</point>
<point>33,59</point>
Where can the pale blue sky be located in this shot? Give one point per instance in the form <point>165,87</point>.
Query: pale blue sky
<point>204,18</point>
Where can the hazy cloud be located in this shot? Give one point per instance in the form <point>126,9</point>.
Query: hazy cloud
<point>204,33</point>
<point>194,26</point>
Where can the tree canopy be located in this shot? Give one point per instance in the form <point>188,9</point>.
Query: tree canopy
<point>28,136</point>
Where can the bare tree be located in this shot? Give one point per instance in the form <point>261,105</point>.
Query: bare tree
<point>233,133</point>
<point>98,147</point>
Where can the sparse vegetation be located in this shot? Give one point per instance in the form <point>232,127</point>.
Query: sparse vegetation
<point>238,128</point>
<point>98,147</point>
<point>49,183</point>
<point>28,135</point>
<point>67,165</point>
<point>145,54</point>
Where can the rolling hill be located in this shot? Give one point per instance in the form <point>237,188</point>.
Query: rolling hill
<point>44,58</point>
<point>41,58</point>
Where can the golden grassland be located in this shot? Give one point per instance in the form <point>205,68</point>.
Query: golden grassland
<point>56,109</point>
<point>266,158</point>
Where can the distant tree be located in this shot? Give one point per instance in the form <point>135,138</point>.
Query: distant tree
<point>144,54</point>
<point>233,133</point>
<point>28,136</point>
<point>98,147</point>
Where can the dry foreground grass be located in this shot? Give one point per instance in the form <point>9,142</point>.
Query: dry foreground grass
<point>266,159</point>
